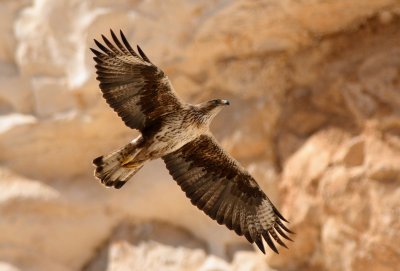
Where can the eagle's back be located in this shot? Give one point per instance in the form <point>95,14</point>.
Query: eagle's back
<point>175,130</point>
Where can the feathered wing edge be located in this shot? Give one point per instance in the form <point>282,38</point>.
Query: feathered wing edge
<point>216,184</point>
<point>123,74</point>
<point>135,88</point>
<point>123,50</point>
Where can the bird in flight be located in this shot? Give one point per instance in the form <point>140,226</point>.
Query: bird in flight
<point>178,132</point>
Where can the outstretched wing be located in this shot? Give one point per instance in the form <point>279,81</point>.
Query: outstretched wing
<point>134,87</point>
<point>219,186</point>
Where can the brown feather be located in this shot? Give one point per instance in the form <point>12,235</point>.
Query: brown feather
<point>225,191</point>
<point>130,84</point>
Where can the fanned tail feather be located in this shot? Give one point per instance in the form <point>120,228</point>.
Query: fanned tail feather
<point>111,169</point>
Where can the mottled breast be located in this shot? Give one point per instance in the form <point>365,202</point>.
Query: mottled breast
<point>176,131</point>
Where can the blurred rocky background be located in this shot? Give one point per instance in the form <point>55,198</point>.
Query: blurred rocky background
<point>314,87</point>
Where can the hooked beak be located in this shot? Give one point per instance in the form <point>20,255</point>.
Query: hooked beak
<point>225,102</point>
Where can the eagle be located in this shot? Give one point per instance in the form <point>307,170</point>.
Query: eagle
<point>178,132</point>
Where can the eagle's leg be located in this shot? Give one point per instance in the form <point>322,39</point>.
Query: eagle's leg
<point>118,167</point>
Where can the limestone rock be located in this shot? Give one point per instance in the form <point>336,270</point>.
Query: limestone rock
<point>314,92</point>
<point>347,207</point>
<point>352,154</point>
<point>150,246</point>
<point>154,246</point>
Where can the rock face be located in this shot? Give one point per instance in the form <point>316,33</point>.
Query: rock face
<point>314,88</point>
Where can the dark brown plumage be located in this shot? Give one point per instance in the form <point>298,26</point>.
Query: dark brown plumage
<point>177,132</point>
<point>219,186</point>
<point>136,89</point>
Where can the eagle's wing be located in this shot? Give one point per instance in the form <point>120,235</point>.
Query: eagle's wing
<point>219,186</point>
<point>134,87</point>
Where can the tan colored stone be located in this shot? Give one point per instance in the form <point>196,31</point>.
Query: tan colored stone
<point>149,246</point>
<point>314,98</point>
<point>348,208</point>
<point>51,97</point>
<point>351,154</point>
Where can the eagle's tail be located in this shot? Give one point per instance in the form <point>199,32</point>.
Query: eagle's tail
<point>115,169</point>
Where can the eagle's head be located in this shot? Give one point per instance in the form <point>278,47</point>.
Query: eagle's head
<point>211,108</point>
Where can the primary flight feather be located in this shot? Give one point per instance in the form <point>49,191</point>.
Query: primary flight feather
<point>177,132</point>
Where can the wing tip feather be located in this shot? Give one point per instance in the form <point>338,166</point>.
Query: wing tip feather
<point>276,212</point>
<point>95,52</point>
<point>269,241</point>
<point>282,233</point>
<point>284,227</point>
<point>260,245</point>
<point>142,54</point>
